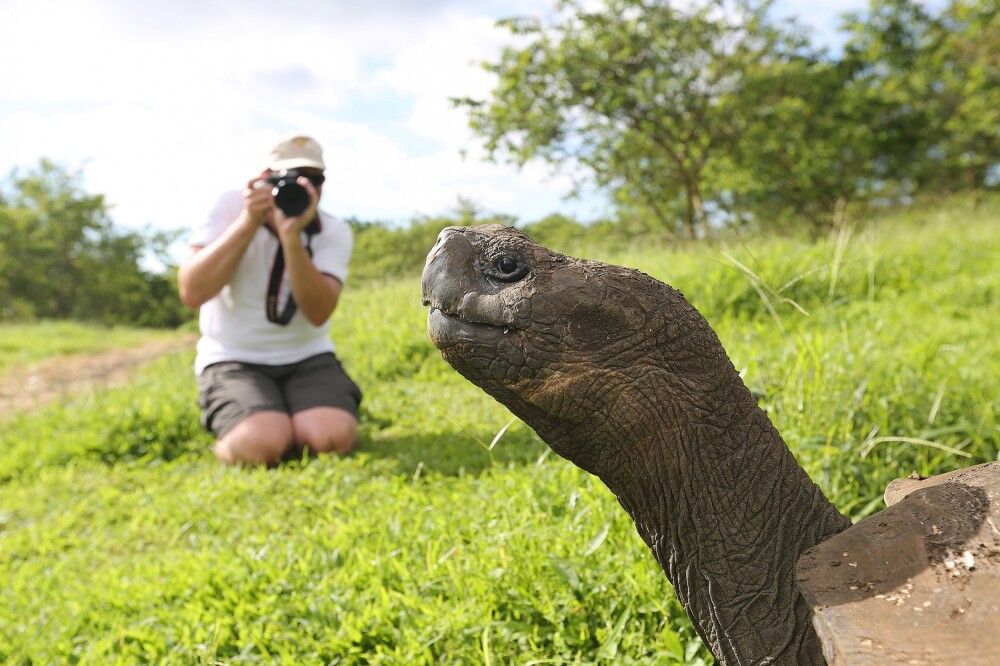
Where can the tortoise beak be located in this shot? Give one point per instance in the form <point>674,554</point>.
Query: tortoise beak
<point>449,271</point>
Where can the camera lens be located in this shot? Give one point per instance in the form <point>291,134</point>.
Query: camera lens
<point>290,197</point>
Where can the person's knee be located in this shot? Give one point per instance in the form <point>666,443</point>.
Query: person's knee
<point>338,437</point>
<point>343,438</point>
<point>329,431</point>
<point>260,439</point>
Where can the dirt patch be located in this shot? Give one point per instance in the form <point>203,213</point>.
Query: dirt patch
<point>32,386</point>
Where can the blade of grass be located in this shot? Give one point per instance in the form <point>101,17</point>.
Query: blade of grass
<point>914,440</point>
<point>500,434</point>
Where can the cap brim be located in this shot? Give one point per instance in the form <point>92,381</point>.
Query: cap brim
<point>296,163</point>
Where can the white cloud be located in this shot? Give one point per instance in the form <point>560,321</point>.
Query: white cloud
<point>166,104</point>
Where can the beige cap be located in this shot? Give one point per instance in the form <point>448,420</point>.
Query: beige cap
<point>294,152</point>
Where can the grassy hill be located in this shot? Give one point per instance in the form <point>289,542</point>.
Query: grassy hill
<point>123,541</point>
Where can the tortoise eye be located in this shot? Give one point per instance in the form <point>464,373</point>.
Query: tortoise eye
<point>507,268</point>
<point>507,264</point>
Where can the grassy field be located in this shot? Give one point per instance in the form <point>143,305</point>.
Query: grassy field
<point>122,541</point>
<point>22,344</point>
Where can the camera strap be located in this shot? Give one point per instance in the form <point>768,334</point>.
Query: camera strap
<point>278,273</point>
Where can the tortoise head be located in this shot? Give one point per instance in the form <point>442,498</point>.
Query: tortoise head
<point>566,344</point>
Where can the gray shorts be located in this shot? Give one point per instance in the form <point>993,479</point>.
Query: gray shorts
<point>230,391</point>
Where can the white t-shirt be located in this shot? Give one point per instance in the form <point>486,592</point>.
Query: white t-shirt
<point>234,325</point>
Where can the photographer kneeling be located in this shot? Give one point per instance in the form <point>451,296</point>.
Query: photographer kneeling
<point>266,270</point>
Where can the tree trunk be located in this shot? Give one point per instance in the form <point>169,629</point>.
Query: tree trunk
<point>689,213</point>
<point>699,206</point>
<point>694,212</point>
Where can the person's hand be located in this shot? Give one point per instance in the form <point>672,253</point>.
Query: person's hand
<point>290,228</point>
<point>258,203</point>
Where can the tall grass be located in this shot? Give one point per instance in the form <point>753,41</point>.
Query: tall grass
<point>122,541</point>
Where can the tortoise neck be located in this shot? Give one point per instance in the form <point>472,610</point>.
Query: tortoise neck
<point>726,509</point>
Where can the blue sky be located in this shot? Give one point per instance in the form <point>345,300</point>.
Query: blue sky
<point>165,104</point>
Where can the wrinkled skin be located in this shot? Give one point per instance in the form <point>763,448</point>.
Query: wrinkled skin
<point>619,374</point>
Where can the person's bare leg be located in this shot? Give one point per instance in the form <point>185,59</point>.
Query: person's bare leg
<point>325,429</point>
<point>259,439</point>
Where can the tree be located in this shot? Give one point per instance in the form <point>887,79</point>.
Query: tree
<point>61,256</point>
<point>814,141</point>
<point>716,113</point>
<point>640,94</point>
<point>942,74</point>
<point>912,103</point>
<point>964,59</point>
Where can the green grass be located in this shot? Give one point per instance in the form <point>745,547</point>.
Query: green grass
<point>122,541</point>
<point>22,344</point>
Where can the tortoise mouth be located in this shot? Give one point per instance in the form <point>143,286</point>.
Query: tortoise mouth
<point>447,328</point>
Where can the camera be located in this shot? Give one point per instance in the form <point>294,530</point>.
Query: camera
<point>289,196</point>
